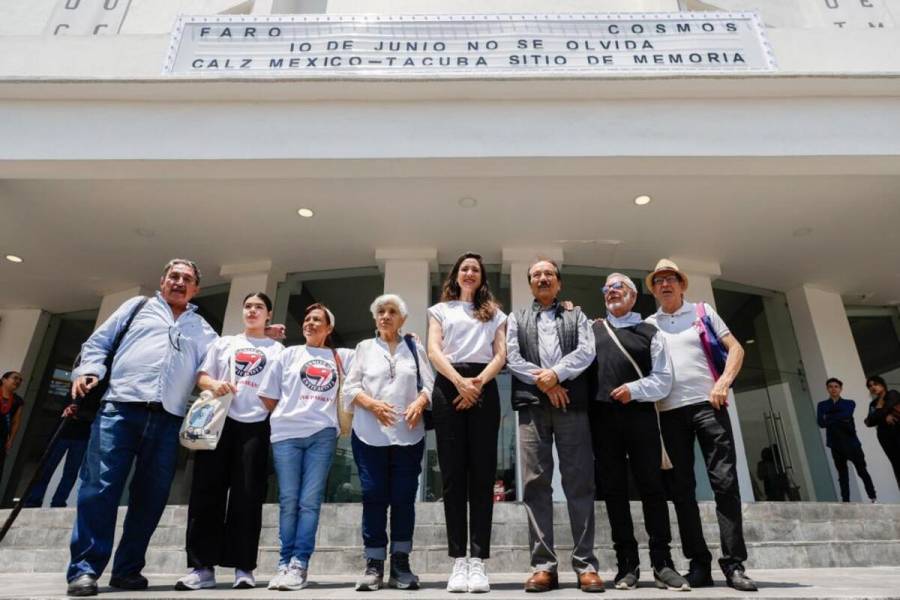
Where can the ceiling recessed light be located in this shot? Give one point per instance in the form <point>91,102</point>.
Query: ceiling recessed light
<point>751,341</point>
<point>305,212</point>
<point>13,258</point>
<point>642,200</point>
<point>468,202</point>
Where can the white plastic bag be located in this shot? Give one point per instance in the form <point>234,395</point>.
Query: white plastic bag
<point>205,419</point>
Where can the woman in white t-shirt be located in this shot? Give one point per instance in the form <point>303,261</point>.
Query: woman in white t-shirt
<point>301,390</point>
<point>467,346</point>
<point>390,385</point>
<point>234,474</point>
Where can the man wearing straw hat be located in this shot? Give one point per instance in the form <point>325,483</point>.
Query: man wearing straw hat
<point>695,409</point>
<point>633,372</point>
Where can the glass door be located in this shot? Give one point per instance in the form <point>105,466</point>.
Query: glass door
<point>783,446</point>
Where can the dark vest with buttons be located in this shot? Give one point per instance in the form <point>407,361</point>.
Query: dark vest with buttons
<point>525,394</point>
<point>613,367</point>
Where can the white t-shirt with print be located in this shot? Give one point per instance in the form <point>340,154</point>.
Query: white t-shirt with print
<point>465,338</point>
<point>252,357</point>
<point>304,381</point>
<point>692,380</point>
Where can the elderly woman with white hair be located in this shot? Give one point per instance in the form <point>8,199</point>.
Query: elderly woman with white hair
<point>388,388</point>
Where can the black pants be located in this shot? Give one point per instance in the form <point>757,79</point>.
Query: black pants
<point>889,438</point>
<point>712,429</point>
<point>467,455</point>
<point>623,435</point>
<point>227,494</point>
<point>854,455</point>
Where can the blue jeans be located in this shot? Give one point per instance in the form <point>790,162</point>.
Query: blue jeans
<point>302,466</point>
<point>122,435</point>
<point>389,476</point>
<point>74,451</point>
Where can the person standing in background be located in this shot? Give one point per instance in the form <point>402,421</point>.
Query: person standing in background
<point>835,416</point>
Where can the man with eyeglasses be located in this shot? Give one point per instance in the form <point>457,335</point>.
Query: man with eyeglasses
<point>633,371</point>
<point>152,375</point>
<point>548,349</point>
<point>695,409</point>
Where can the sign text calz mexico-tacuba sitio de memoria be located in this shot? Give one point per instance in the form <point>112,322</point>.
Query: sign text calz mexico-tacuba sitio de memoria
<point>467,45</point>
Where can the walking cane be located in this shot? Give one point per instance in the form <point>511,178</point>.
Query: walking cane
<point>37,473</point>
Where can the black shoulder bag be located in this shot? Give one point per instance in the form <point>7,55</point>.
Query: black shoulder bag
<point>427,417</point>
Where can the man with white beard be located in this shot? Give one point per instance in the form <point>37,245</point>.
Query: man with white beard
<point>633,372</point>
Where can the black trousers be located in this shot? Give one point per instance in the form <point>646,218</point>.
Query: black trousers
<point>227,494</point>
<point>712,429</point>
<point>856,456</point>
<point>889,438</point>
<point>622,435</point>
<point>467,455</point>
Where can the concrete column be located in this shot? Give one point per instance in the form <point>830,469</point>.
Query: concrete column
<point>21,335</point>
<point>828,350</point>
<point>700,275</point>
<point>246,279</point>
<point>407,273</point>
<point>114,300</point>
<point>516,261</point>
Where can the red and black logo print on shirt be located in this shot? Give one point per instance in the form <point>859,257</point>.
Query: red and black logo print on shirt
<point>249,362</point>
<point>318,375</point>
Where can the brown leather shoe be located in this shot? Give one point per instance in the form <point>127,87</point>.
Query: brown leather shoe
<point>589,581</point>
<point>542,581</point>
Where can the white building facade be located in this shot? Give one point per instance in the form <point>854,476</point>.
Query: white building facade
<point>778,192</point>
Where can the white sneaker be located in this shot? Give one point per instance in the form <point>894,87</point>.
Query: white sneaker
<point>276,580</point>
<point>459,578</point>
<point>294,579</point>
<point>478,579</point>
<point>198,579</point>
<point>243,580</point>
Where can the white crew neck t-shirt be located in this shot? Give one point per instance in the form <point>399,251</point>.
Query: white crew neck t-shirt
<point>465,338</point>
<point>304,381</point>
<point>252,357</point>
<point>692,380</point>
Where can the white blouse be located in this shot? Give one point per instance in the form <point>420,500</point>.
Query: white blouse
<point>389,378</point>
<point>465,338</point>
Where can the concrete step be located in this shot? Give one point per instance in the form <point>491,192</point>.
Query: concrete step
<point>427,534</point>
<point>779,535</point>
<point>330,560</point>
<point>781,584</point>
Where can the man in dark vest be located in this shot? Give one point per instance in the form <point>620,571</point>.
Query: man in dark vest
<point>633,372</point>
<point>548,350</point>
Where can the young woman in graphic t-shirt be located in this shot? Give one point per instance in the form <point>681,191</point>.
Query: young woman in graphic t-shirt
<point>301,390</point>
<point>467,346</point>
<point>235,473</point>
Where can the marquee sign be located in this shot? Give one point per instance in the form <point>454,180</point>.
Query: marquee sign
<point>468,46</point>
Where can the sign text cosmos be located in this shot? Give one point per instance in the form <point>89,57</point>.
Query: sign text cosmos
<point>478,45</point>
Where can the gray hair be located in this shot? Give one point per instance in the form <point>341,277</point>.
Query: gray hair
<point>182,261</point>
<point>388,299</point>
<point>625,279</point>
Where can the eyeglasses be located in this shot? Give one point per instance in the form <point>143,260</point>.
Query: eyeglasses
<point>670,279</point>
<point>176,277</point>
<point>175,338</point>
<point>392,366</point>
<point>615,285</point>
<point>548,274</point>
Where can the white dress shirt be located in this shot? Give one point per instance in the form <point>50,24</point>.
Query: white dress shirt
<point>566,367</point>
